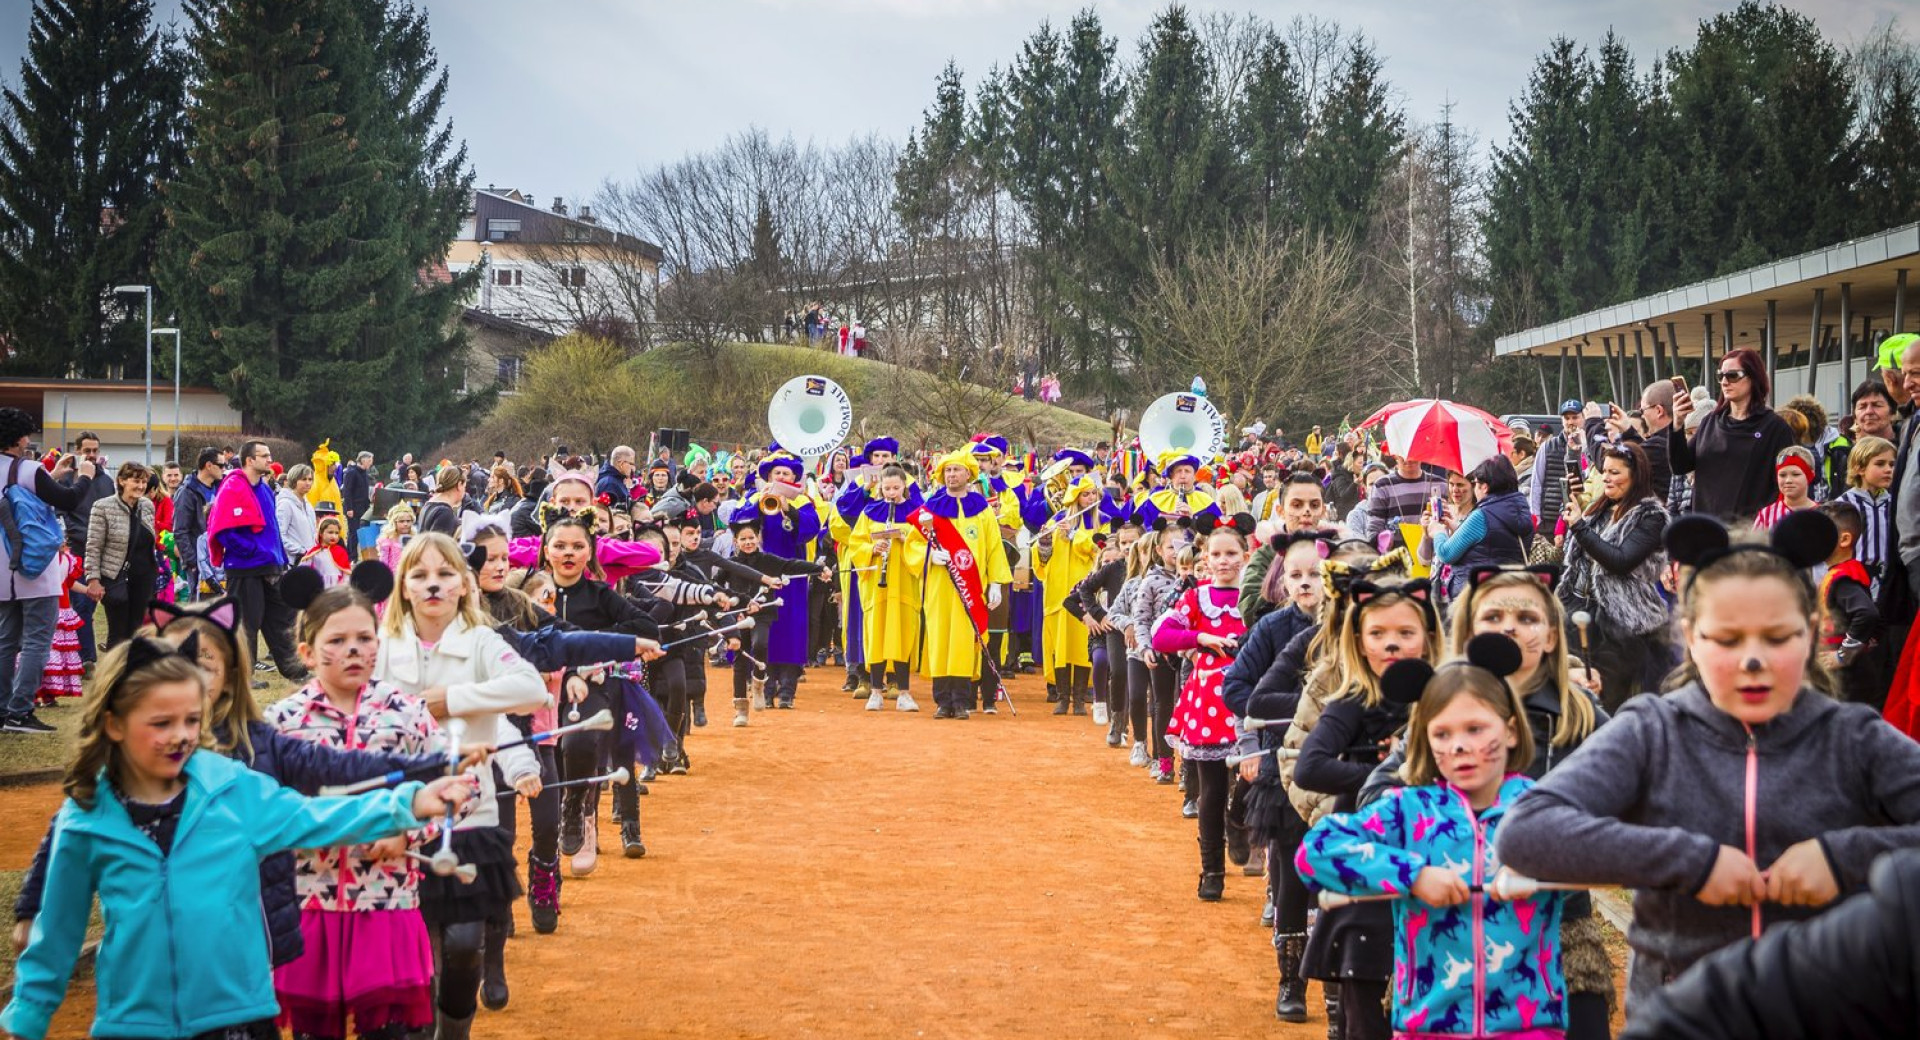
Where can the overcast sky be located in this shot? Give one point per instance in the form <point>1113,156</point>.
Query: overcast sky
<point>557,96</point>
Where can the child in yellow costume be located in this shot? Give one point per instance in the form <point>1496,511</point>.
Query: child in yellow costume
<point>1067,549</point>
<point>962,530</point>
<point>888,554</point>
<point>326,490</point>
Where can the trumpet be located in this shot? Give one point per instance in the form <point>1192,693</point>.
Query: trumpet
<point>778,498</point>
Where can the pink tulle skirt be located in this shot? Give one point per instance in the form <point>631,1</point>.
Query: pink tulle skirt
<point>375,965</point>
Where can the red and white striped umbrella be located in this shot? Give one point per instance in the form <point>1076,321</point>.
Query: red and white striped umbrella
<point>1442,433</point>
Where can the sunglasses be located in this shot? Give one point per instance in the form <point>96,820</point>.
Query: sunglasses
<point>1733,375</point>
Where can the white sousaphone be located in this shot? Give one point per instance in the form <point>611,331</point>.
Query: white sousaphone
<point>809,416</point>
<point>1182,422</point>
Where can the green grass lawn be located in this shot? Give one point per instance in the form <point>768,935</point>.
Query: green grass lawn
<point>28,753</point>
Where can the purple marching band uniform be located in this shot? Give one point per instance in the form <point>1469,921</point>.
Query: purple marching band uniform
<point>790,536</point>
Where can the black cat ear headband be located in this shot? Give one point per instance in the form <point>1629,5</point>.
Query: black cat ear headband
<point>1802,538</point>
<point>144,650</point>
<point>300,586</point>
<point>1405,681</point>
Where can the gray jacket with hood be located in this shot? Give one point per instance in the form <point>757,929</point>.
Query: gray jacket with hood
<point>1648,800</point>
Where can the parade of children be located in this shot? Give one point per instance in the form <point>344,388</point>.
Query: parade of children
<point>1426,782</point>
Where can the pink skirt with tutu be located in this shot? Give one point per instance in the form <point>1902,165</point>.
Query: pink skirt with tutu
<point>375,965</point>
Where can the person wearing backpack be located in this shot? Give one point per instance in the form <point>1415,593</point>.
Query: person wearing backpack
<point>30,535</point>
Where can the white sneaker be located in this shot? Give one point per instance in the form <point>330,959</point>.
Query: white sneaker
<point>1099,713</point>
<point>1139,758</point>
<point>877,701</point>
<point>906,702</point>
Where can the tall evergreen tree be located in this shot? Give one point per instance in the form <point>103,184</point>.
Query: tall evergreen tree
<point>1889,177</point>
<point>1270,128</point>
<point>1765,108</point>
<point>1538,209</point>
<point>321,196</point>
<point>1358,142</point>
<point>88,140</point>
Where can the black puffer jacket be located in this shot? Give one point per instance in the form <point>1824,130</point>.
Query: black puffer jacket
<point>298,764</point>
<point>1851,972</point>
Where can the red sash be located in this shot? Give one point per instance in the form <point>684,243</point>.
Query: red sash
<point>960,566</point>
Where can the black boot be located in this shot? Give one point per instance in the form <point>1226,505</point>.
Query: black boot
<point>1061,694</point>
<point>1291,1004</point>
<point>543,894</point>
<point>573,832</point>
<point>1053,694</point>
<point>630,840</point>
<point>493,970</point>
<point>1238,849</point>
<point>1336,1026</point>
<point>700,710</point>
<point>1213,884</point>
<point>1079,689</point>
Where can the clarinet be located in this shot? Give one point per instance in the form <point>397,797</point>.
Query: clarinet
<point>886,549</point>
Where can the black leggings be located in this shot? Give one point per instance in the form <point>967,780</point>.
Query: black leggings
<point>590,752</point>
<point>125,617</point>
<point>667,680</point>
<point>543,813</point>
<point>745,658</point>
<point>1363,1009</point>
<point>457,956</point>
<point>1165,687</point>
<point>1284,886</point>
<point>1139,698</point>
<point>1118,677</point>
<point>1212,802</point>
<point>877,674</point>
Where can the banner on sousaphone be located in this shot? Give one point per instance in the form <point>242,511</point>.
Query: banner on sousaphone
<point>1182,422</point>
<point>809,416</point>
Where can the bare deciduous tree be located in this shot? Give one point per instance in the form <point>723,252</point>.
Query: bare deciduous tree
<point>1264,317</point>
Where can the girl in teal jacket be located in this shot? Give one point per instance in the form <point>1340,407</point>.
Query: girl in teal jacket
<point>171,840</point>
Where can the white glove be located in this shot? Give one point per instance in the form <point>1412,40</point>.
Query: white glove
<point>993,597</point>
<point>939,557</point>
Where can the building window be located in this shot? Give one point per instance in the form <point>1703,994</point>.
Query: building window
<point>574,277</point>
<point>466,228</point>
<point>501,229</point>
<point>507,371</point>
<point>506,276</point>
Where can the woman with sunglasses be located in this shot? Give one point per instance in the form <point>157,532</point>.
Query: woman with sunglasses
<point>1731,456</point>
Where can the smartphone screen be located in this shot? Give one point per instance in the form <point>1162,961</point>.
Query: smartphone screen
<point>1679,384</point>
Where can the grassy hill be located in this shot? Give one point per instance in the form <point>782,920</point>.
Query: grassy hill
<point>722,398</point>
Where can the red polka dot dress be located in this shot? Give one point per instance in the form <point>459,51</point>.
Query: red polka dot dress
<point>1201,725</point>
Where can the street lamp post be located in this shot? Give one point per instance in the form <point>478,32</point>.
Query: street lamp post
<point>147,291</point>
<point>175,333</point>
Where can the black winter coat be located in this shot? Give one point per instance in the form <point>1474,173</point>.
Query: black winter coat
<point>1731,461</point>
<point>1852,971</point>
<point>298,764</point>
<point>1085,600</point>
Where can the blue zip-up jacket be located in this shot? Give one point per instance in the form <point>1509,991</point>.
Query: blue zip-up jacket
<point>184,951</point>
<point>300,764</point>
<point>1482,968</point>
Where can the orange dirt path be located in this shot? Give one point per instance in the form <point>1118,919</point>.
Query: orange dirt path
<point>830,872</point>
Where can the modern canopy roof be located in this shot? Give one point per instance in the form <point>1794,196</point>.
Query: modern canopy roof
<point>1863,280</point>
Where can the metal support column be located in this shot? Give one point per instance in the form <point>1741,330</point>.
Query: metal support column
<point>1540,366</point>
<point>1613,372</point>
<point>1899,301</point>
<point>1846,338</point>
<point>1660,366</point>
<point>1706,354</point>
<point>1772,342</point>
<point>1817,339</point>
<point>1562,395</point>
<point>1726,334</point>
<point>1580,371</point>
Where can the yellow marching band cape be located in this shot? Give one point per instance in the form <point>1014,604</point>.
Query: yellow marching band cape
<point>918,618</point>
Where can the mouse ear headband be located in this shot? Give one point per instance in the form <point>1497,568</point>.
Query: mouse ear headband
<point>1205,523</point>
<point>1802,538</point>
<point>1405,681</point>
<point>302,585</point>
<point>1322,539</point>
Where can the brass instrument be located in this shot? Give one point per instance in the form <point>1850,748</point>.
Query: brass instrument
<point>1054,479</point>
<point>778,500</point>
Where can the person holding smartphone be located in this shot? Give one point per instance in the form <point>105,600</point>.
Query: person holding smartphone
<point>1731,455</point>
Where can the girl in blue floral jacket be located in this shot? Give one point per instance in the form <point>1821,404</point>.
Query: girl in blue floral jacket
<point>1466,962</point>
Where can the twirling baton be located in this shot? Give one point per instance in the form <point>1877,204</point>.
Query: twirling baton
<point>618,776</point>
<point>740,624</point>
<point>466,872</point>
<point>602,719</point>
<point>1506,886</point>
<point>444,862</point>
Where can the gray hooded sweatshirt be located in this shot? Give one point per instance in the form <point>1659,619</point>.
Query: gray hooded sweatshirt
<point>1648,800</point>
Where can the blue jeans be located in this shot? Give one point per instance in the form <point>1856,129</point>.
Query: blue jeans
<point>26,629</point>
<point>83,606</point>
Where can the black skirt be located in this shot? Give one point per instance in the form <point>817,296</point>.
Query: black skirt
<point>1352,942</point>
<point>490,897</point>
<point>1271,815</point>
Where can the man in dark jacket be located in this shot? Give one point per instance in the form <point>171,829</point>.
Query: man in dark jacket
<point>190,505</point>
<point>356,497</point>
<point>1547,495</point>
<point>616,479</point>
<point>92,489</point>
